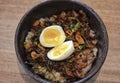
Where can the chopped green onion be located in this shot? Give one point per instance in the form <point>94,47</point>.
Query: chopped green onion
<point>29,37</point>
<point>75,27</point>
<point>69,61</point>
<point>53,23</point>
<point>81,47</point>
<point>49,78</point>
<point>24,43</point>
<point>35,43</point>
<point>73,30</point>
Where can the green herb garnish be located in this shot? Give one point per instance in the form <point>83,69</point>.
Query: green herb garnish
<point>49,78</point>
<point>53,23</point>
<point>75,27</point>
<point>29,37</point>
<point>35,43</point>
<point>24,43</point>
<point>69,61</point>
<point>81,47</point>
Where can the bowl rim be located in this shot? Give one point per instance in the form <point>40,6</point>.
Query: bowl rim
<point>38,78</point>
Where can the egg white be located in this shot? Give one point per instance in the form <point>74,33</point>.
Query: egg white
<point>62,36</point>
<point>69,50</point>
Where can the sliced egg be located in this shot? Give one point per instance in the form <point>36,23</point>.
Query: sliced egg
<point>52,36</point>
<point>61,52</point>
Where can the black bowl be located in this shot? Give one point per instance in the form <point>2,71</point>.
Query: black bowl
<point>48,8</point>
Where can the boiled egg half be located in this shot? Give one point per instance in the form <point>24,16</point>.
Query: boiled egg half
<point>61,52</point>
<point>52,36</point>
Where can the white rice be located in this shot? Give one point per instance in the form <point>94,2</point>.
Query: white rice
<point>55,76</point>
<point>28,37</point>
<point>92,33</point>
<point>86,69</point>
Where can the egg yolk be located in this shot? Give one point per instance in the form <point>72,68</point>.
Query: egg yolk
<point>52,36</point>
<point>60,50</point>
